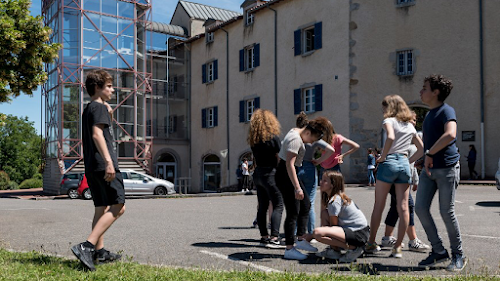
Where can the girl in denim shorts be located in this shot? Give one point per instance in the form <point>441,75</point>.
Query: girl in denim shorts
<point>394,168</point>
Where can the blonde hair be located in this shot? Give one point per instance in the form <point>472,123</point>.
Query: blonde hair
<point>396,107</point>
<point>337,180</point>
<point>263,127</point>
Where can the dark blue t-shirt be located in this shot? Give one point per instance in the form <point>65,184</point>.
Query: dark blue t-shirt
<point>433,129</point>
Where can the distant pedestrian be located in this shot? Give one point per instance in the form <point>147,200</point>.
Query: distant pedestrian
<point>370,165</point>
<point>441,173</point>
<point>471,161</point>
<point>246,175</point>
<point>101,169</point>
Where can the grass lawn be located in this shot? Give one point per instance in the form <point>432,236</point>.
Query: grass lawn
<point>36,266</point>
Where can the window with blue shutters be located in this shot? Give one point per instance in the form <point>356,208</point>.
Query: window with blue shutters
<point>405,63</point>
<point>250,57</point>
<point>308,39</point>
<point>309,99</point>
<point>209,117</point>
<point>247,108</point>
<point>209,72</point>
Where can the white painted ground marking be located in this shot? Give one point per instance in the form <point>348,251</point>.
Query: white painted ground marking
<point>472,209</point>
<point>481,236</point>
<point>18,209</point>
<point>458,201</point>
<point>256,266</point>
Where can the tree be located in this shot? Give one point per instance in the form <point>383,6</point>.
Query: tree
<point>20,148</point>
<point>23,49</point>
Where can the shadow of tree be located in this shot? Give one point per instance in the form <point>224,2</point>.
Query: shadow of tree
<point>44,260</point>
<point>377,268</point>
<point>488,204</point>
<point>252,256</point>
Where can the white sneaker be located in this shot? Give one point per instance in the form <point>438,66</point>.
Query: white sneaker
<point>313,241</point>
<point>418,246</point>
<point>294,254</point>
<point>351,255</point>
<point>306,246</point>
<point>388,241</point>
<point>330,253</point>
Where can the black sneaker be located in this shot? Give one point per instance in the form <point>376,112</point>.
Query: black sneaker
<point>433,259</point>
<point>458,262</point>
<point>85,255</point>
<point>275,244</point>
<point>104,255</point>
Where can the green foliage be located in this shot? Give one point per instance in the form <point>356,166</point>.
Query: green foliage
<point>38,176</point>
<point>23,49</point>
<point>4,180</point>
<point>31,183</point>
<point>13,185</point>
<point>20,148</point>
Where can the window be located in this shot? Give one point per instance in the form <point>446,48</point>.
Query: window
<point>250,57</point>
<point>209,117</point>
<point>308,99</point>
<point>209,72</point>
<point>405,63</point>
<point>247,107</point>
<point>135,176</point>
<point>308,39</point>
<point>209,37</point>
<point>249,18</point>
<point>172,124</point>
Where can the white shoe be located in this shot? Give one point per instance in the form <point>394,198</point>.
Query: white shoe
<point>306,246</point>
<point>294,254</point>
<point>418,246</point>
<point>330,253</point>
<point>351,255</point>
<point>313,241</point>
<point>388,241</point>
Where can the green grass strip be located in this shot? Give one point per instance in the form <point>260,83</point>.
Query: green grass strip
<point>37,266</point>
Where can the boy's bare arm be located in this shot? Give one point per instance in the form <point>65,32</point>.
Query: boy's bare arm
<point>100,143</point>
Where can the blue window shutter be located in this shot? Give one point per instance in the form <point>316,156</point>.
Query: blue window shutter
<point>242,60</point>
<point>256,103</point>
<point>204,118</point>
<point>216,122</point>
<point>318,97</point>
<point>297,41</point>
<point>317,36</point>
<point>256,53</point>
<point>216,69</point>
<point>204,73</point>
<point>296,101</point>
<point>242,111</point>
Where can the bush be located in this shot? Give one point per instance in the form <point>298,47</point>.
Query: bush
<point>38,176</point>
<point>4,180</point>
<point>13,185</point>
<point>31,183</point>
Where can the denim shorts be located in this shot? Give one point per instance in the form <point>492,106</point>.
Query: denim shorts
<point>395,169</point>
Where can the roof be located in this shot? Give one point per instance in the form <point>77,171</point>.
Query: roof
<point>264,5</point>
<point>204,12</point>
<point>167,29</point>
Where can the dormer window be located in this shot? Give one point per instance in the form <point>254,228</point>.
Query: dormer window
<point>209,37</point>
<point>249,18</point>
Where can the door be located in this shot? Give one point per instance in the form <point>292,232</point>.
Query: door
<point>167,171</point>
<point>142,184</point>
<point>128,183</point>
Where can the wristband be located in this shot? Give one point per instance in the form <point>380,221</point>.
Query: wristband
<point>428,154</point>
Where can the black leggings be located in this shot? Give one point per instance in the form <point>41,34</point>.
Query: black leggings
<point>264,179</point>
<point>297,211</point>
<point>392,215</point>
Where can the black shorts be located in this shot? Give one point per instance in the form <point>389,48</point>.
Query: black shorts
<point>357,238</point>
<point>106,193</point>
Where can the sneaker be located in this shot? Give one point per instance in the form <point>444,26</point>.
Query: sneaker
<point>388,241</point>
<point>433,259</point>
<point>104,255</point>
<point>306,246</point>
<point>254,224</point>
<point>351,255</point>
<point>397,253</point>
<point>294,254</point>
<point>275,244</point>
<point>418,246</point>
<point>372,248</point>
<point>329,253</point>
<point>264,242</point>
<point>85,255</point>
<point>458,262</point>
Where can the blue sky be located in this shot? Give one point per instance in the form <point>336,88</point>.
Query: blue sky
<point>162,12</point>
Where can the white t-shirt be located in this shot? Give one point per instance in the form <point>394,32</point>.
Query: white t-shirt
<point>244,167</point>
<point>403,134</point>
<point>293,143</point>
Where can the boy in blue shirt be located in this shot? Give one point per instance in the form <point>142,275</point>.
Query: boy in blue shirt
<point>441,173</point>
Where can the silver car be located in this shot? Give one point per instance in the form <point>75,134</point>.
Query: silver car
<point>141,184</point>
<point>497,175</point>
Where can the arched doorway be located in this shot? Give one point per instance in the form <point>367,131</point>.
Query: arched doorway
<point>211,173</point>
<point>421,113</point>
<point>166,168</point>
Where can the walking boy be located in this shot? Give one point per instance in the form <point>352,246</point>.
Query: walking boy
<point>441,173</point>
<point>101,169</point>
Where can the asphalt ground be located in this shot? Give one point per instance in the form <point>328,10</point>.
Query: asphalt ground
<point>214,233</point>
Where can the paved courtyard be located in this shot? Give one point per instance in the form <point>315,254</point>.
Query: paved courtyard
<point>215,233</point>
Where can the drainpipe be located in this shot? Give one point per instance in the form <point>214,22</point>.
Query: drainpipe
<point>275,60</point>
<point>481,61</point>
<point>228,176</point>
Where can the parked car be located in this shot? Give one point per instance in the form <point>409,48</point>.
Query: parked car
<point>83,189</point>
<point>497,175</point>
<point>135,184</point>
<point>69,184</point>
